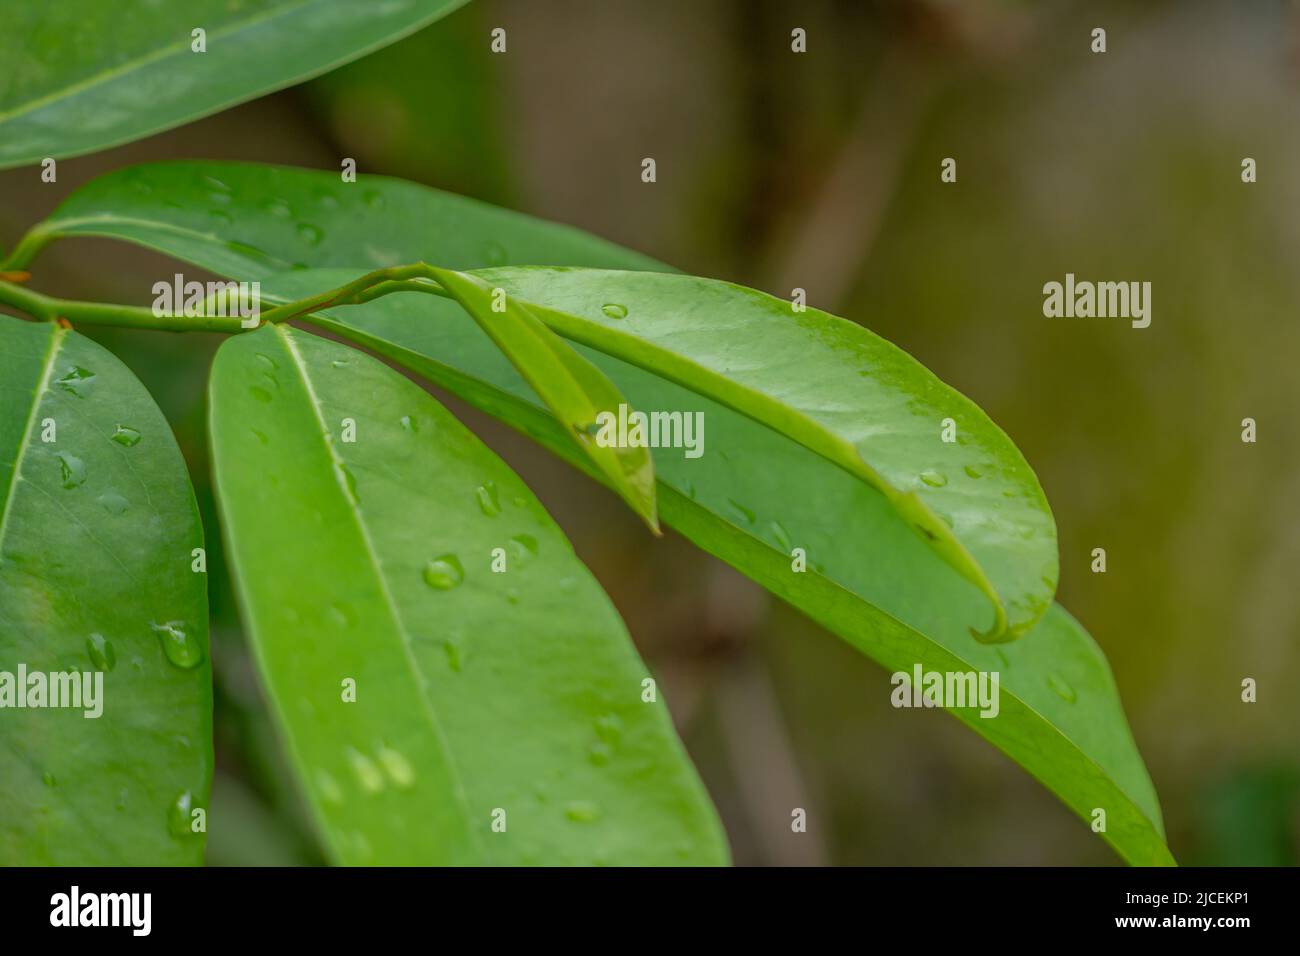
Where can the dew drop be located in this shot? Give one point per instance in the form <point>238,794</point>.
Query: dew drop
<point>397,767</point>
<point>374,199</point>
<point>310,234</point>
<point>781,535</point>
<point>741,510</point>
<point>512,596</point>
<point>1061,688</point>
<point>341,614</point>
<point>48,779</point>
<point>614,310</point>
<point>582,811</point>
<point>101,652</point>
<point>125,435</point>
<point>261,436</point>
<point>609,728</point>
<point>329,787</point>
<point>221,216</point>
<point>454,647</point>
<point>113,503</point>
<point>972,471</point>
<point>409,423</point>
<point>72,470</point>
<point>77,380</point>
<point>212,182</point>
<point>178,814</point>
<point>488,501</point>
<point>261,394</point>
<point>367,774</point>
<point>494,254</point>
<point>598,754</point>
<point>278,208</point>
<point>181,649</point>
<point>523,547</point>
<point>934,479</point>
<point>444,572</point>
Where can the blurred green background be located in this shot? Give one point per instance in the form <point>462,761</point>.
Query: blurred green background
<point>821,170</point>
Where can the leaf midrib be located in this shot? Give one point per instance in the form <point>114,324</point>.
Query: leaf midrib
<point>372,556</point>
<point>42,384</point>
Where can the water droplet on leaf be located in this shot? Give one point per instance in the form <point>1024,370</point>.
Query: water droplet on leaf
<point>125,435</point>
<point>488,501</point>
<point>523,547</point>
<point>614,310</point>
<point>181,649</point>
<point>72,470</point>
<point>444,572</point>
<point>77,380</point>
<point>101,652</point>
<point>113,503</point>
<point>178,814</point>
<point>582,811</point>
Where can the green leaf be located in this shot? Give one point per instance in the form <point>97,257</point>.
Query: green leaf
<point>838,390</point>
<point>371,561</point>
<point>97,527</point>
<point>576,391</point>
<point>748,506</point>
<point>82,75</point>
<point>275,218</point>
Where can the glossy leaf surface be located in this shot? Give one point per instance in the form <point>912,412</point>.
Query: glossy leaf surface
<point>98,531</point>
<point>83,75</point>
<point>363,524</point>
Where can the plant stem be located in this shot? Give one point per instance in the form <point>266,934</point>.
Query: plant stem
<point>417,277</point>
<point>49,308</point>
<point>27,249</point>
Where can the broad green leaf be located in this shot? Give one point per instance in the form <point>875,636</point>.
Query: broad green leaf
<point>748,504</point>
<point>82,75</point>
<point>367,556</point>
<point>575,390</point>
<point>98,527</point>
<point>838,390</point>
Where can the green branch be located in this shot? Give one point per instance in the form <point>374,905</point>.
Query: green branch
<point>417,277</point>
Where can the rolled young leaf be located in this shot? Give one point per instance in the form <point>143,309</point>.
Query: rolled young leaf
<point>836,389</point>
<point>101,578</point>
<point>82,75</point>
<point>576,391</point>
<point>452,684</point>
